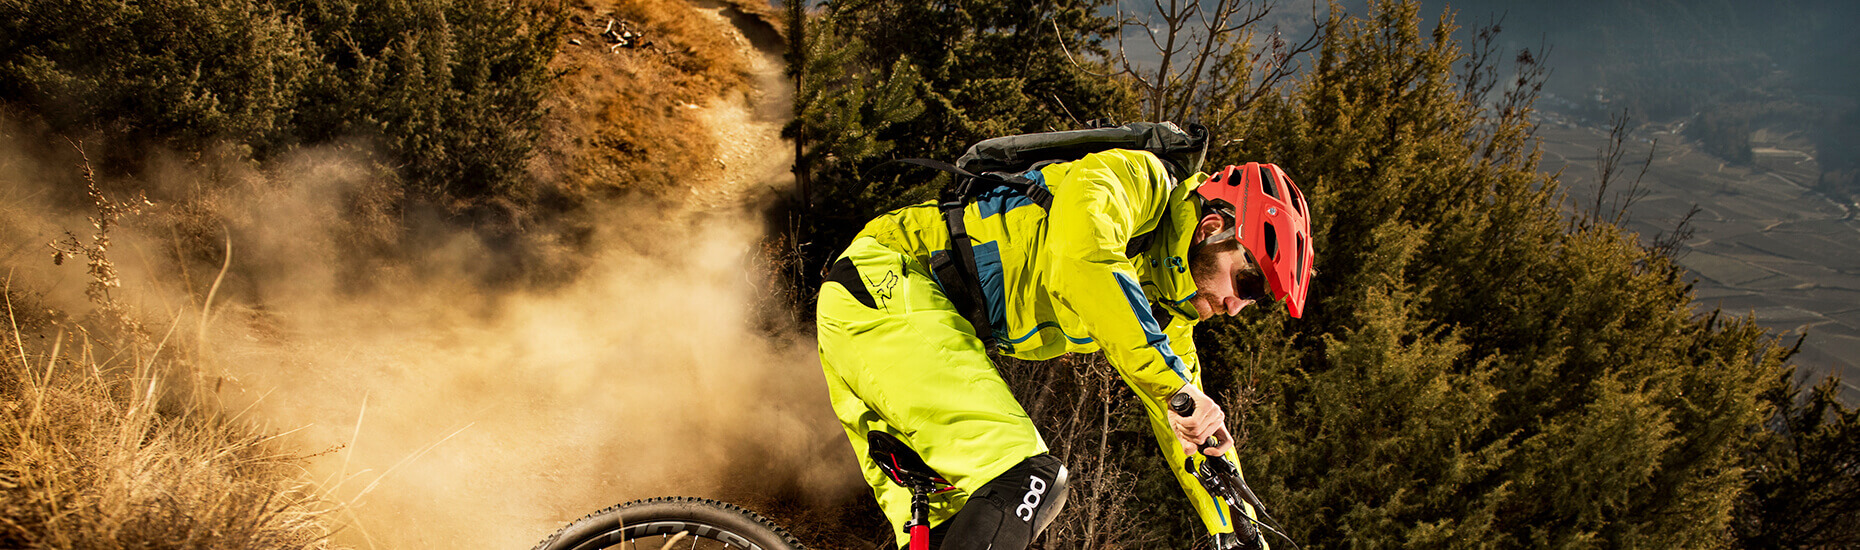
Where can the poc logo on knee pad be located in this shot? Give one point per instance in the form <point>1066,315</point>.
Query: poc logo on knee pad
<point>1036,489</point>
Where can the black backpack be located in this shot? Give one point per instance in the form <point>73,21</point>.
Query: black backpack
<point>1180,149</point>
<point>999,162</point>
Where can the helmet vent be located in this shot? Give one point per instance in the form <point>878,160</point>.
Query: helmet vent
<point>1298,271</point>
<point>1298,199</point>
<point>1272,241</point>
<point>1267,183</point>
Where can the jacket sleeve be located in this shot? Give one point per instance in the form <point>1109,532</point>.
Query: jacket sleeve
<point>1099,203</point>
<point>1215,515</point>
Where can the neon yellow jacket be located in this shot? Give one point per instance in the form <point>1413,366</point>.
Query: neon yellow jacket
<point>1058,281</point>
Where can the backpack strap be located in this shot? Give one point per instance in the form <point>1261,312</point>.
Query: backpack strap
<point>955,266</point>
<point>955,270</point>
<point>970,185</point>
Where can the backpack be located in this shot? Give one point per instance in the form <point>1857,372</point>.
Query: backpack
<point>1180,150</point>
<point>999,162</point>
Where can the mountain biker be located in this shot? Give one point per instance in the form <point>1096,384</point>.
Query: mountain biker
<point>900,358</point>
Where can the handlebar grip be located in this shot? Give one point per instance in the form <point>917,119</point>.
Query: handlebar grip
<point>1182,404</point>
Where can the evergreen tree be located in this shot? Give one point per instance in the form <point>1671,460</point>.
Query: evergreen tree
<point>841,109</point>
<point>172,73</point>
<point>1804,491</point>
<point>1478,368</point>
<point>993,67</point>
<point>1482,363</point>
<point>451,88</point>
<point>882,80</point>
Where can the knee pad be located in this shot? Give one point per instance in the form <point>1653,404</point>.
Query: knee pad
<point>1010,510</point>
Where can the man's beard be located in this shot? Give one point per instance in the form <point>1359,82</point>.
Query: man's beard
<point>1201,260</point>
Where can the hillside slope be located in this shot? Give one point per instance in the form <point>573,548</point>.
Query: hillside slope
<point>424,404</point>
<point>668,98</point>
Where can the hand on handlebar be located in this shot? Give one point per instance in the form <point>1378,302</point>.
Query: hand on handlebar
<point>1199,423</point>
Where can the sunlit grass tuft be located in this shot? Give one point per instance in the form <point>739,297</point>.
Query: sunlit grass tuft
<point>106,440</point>
<point>92,458</point>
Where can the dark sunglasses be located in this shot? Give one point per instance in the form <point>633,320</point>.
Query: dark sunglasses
<point>1250,283</point>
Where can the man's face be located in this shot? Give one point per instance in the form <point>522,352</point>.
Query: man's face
<point>1225,281</point>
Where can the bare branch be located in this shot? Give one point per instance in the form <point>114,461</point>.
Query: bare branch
<point>1635,192</point>
<point>1210,64</point>
<point>1123,57</point>
<point>1284,59</point>
<point>1607,167</point>
<point>1069,115</point>
<point>1608,157</point>
<point>1061,37</point>
<point>1223,10</point>
<point>1667,244</point>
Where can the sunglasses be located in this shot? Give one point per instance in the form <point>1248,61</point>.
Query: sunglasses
<point>1250,283</point>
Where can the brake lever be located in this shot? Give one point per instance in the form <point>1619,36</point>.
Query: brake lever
<point>1222,480</point>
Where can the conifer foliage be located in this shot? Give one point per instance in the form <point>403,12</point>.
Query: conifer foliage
<point>451,89</point>
<point>879,80</point>
<point>1483,362</point>
<point>1804,491</point>
<point>1479,368</point>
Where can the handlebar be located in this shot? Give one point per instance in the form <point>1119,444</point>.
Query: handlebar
<point>1222,480</point>
<point>1184,406</point>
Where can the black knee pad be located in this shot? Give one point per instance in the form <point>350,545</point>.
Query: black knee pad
<point>1010,510</point>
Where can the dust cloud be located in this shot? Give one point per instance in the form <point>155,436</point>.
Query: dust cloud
<point>474,420</point>
<point>437,413</point>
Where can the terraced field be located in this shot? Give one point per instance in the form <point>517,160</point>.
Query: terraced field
<point>1762,242</point>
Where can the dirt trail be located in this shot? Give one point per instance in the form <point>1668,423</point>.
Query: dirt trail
<point>458,417</point>
<point>434,411</point>
<point>747,125</point>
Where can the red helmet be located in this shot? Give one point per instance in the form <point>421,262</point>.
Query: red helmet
<point>1272,222</point>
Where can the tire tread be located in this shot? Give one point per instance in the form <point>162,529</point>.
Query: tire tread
<point>757,520</point>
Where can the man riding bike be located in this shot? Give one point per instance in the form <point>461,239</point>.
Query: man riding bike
<point>900,357</point>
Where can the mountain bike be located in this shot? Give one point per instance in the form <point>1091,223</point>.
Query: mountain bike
<point>697,523</point>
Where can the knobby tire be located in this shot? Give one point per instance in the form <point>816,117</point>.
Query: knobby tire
<point>649,524</point>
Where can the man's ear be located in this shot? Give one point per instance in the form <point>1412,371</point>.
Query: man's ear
<point>1209,225</point>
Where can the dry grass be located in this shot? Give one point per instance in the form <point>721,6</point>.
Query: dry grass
<point>1079,402</point>
<point>108,440</point>
<point>109,436</point>
<point>100,452</point>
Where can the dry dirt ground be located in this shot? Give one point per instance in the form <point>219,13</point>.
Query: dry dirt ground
<point>1763,243</point>
<point>456,417</point>
<point>676,101</point>
<point>746,124</point>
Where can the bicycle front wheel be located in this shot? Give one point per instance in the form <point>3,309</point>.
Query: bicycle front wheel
<point>652,523</point>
